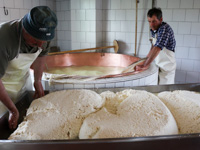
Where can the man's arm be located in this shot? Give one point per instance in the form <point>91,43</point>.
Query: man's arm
<point>150,57</point>
<point>38,68</point>
<point>13,112</point>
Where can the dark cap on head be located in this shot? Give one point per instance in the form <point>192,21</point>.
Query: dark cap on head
<point>40,23</point>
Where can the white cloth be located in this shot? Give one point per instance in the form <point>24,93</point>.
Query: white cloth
<point>167,65</point>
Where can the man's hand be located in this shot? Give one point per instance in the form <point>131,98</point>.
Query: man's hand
<point>13,118</point>
<point>140,67</point>
<point>39,91</point>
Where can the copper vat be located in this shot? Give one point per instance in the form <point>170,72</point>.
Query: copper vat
<point>93,59</point>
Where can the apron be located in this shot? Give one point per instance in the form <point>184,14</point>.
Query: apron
<point>167,65</point>
<point>16,75</point>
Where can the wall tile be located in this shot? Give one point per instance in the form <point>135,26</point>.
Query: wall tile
<point>121,36</point>
<point>76,25</point>
<point>194,53</point>
<point>144,4</point>
<point>80,15</point>
<point>99,26</point>
<point>110,85</point>
<point>192,77</point>
<point>109,15</point>
<point>162,4</point>
<point>23,12</point>
<point>178,15</point>
<point>1,3</point>
<point>99,4</point>
<point>115,4</point>
<point>128,83</point>
<point>81,37</point>
<point>119,84</point>
<point>68,86</point>
<point>192,15</point>
<point>85,4</point>
<point>180,76</point>
<point>90,15</point>
<point>43,2</point>
<point>179,40</point>
<point>109,36</point>
<point>198,41</point>
<point>120,15</point>
<point>79,86</point>
<point>174,26</point>
<point>85,25</point>
<point>178,63</point>
<point>89,86</point>
<point>189,40</point>
<point>59,86</point>
<point>197,66</point>
<point>195,28</point>
<point>196,4</point>
<point>187,65</point>
<point>106,4</point>
<point>173,4</point>
<point>130,37</point>
<point>182,52</point>
<point>99,15</point>
<point>9,3</point>
<point>64,25</point>
<point>135,82</point>
<point>76,4</point>
<point>130,15</point>
<point>115,26</point>
<point>90,37</point>
<point>186,4</point>
<point>64,5</point>
<point>18,3</point>
<point>184,28</point>
<point>126,4</point>
<point>15,14</point>
<point>167,14</point>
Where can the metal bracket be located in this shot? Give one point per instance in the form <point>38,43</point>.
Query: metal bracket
<point>5,11</point>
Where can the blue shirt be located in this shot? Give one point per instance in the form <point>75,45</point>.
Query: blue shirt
<point>165,37</point>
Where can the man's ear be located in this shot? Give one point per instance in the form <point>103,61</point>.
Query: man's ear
<point>161,19</point>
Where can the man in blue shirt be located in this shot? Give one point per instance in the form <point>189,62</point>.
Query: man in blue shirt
<point>163,47</point>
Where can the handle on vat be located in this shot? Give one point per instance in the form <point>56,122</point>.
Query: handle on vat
<point>115,46</point>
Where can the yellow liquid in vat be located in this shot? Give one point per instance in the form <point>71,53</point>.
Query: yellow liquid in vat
<point>85,70</point>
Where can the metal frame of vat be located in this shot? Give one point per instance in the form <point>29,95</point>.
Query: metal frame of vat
<point>168,142</point>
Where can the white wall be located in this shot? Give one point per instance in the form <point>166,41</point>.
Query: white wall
<point>18,8</point>
<point>64,24</point>
<point>85,21</point>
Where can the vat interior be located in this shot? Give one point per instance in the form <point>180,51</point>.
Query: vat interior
<point>90,59</point>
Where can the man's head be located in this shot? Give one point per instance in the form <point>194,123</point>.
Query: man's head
<point>39,25</point>
<point>154,17</point>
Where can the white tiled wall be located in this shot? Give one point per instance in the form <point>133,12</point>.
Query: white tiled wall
<point>18,8</point>
<point>86,23</point>
<point>64,24</point>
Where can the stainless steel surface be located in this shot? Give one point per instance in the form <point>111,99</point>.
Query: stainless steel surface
<point>169,142</point>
